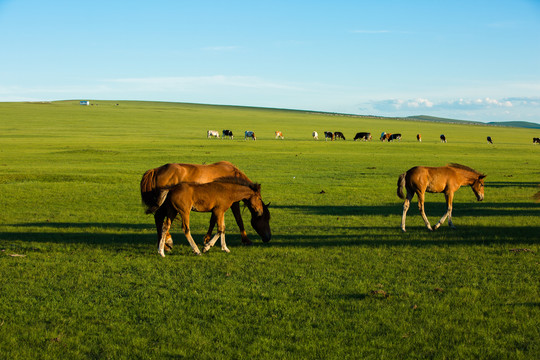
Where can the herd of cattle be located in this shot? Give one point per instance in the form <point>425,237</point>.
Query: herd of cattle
<point>337,135</point>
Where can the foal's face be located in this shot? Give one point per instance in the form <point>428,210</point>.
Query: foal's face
<point>260,217</point>
<point>478,187</point>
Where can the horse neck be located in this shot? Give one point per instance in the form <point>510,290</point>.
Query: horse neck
<point>467,177</point>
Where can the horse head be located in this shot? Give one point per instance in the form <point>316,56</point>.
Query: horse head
<point>478,187</point>
<point>260,215</point>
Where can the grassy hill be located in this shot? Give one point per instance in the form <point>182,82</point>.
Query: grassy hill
<point>81,277</point>
<point>522,124</point>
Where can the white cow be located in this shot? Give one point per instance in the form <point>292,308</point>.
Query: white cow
<point>212,133</point>
<point>315,135</point>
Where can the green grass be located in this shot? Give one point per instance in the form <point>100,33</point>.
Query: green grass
<point>338,279</point>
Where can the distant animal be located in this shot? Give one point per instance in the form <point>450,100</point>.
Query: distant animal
<point>445,179</point>
<point>249,134</point>
<point>155,185</point>
<point>328,135</point>
<point>279,135</point>
<point>365,136</point>
<point>536,140</point>
<point>212,133</point>
<point>227,133</point>
<point>315,135</point>
<point>385,136</point>
<point>215,197</point>
<point>489,140</point>
<point>339,135</point>
<point>418,137</point>
<point>443,138</point>
<point>393,137</point>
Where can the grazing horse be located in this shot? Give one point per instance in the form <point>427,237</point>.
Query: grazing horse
<point>249,134</point>
<point>155,185</point>
<point>212,133</point>
<point>418,137</point>
<point>536,140</point>
<point>443,138</point>
<point>315,135</point>
<point>445,179</point>
<point>365,136</point>
<point>393,137</point>
<point>227,133</point>
<point>279,135</point>
<point>216,197</point>
<point>339,135</point>
<point>489,140</point>
<point>328,135</point>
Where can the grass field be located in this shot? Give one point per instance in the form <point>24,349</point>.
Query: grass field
<point>338,280</point>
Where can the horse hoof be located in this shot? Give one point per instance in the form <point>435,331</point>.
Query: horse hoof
<point>226,250</point>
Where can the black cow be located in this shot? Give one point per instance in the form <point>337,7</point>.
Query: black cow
<point>328,135</point>
<point>490,141</point>
<point>394,137</point>
<point>227,133</point>
<point>536,140</point>
<point>362,136</point>
<point>443,138</point>
<point>339,135</point>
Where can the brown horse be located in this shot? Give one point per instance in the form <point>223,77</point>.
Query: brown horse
<point>156,183</point>
<point>445,179</point>
<point>216,197</point>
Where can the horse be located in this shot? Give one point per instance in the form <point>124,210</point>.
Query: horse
<point>393,137</point>
<point>212,133</point>
<point>249,134</point>
<point>339,135</point>
<point>227,133</point>
<point>215,197</point>
<point>418,137</point>
<point>443,138</point>
<point>445,179</point>
<point>315,135</point>
<point>279,134</point>
<point>156,183</point>
<point>365,136</point>
<point>328,135</point>
<point>489,140</point>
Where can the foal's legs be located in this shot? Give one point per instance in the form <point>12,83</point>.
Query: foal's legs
<point>159,216</point>
<point>221,233</point>
<point>165,226</point>
<point>421,208</point>
<point>406,205</point>
<point>185,226</point>
<point>449,197</point>
<point>235,208</point>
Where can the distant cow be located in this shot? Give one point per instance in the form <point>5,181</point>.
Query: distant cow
<point>249,134</point>
<point>489,140</point>
<point>279,134</point>
<point>339,135</point>
<point>443,138</point>
<point>315,135</point>
<point>536,140</point>
<point>385,136</point>
<point>212,133</point>
<point>365,136</point>
<point>393,137</point>
<point>227,133</point>
<point>328,135</point>
<point>418,137</point>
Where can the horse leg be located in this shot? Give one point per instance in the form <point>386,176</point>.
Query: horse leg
<point>221,231</point>
<point>208,235</point>
<point>159,216</point>
<point>406,205</point>
<point>448,213</point>
<point>421,208</point>
<point>235,208</point>
<point>187,232</point>
<point>166,225</point>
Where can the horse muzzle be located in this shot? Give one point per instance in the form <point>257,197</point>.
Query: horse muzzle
<point>480,197</point>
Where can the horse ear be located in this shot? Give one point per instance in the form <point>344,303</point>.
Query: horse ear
<point>481,177</point>
<point>267,205</point>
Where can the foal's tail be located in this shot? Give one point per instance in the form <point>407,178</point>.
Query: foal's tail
<point>150,194</point>
<point>401,185</point>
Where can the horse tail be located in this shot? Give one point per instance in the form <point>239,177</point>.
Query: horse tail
<point>150,194</point>
<point>401,185</point>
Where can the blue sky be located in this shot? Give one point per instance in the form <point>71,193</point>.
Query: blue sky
<point>473,60</point>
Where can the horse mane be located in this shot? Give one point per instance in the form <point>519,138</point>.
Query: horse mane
<point>463,167</point>
<point>238,181</point>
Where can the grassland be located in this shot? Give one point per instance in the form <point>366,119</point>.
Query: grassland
<point>338,280</point>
